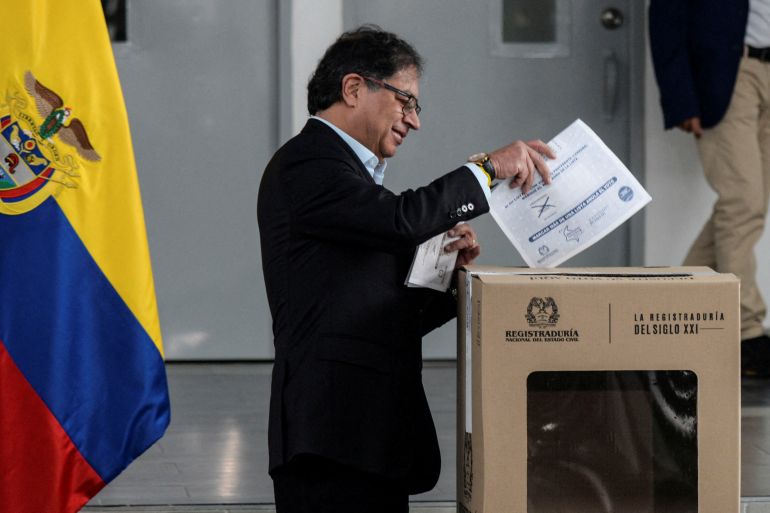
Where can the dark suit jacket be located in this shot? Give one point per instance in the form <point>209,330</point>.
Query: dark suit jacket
<point>336,249</point>
<point>696,48</point>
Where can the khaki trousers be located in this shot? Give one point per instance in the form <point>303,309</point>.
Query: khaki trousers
<point>736,160</point>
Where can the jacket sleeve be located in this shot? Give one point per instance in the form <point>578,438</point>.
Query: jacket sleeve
<point>669,45</point>
<point>332,201</point>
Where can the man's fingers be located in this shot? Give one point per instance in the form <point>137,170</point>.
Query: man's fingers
<point>461,244</point>
<point>692,126</point>
<point>697,130</point>
<point>467,238</point>
<point>527,185</point>
<point>543,148</point>
<point>520,160</point>
<point>531,170</point>
<point>541,165</point>
<point>467,256</point>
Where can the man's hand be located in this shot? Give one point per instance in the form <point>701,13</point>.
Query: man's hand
<point>692,126</point>
<point>467,246</point>
<point>520,160</point>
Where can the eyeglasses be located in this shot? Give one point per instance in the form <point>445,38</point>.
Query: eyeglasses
<point>410,104</point>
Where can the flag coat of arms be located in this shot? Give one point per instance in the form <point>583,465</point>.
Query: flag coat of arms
<point>82,384</point>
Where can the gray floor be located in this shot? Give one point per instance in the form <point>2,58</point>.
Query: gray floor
<point>213,458</point>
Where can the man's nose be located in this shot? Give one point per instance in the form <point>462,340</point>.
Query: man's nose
<point>413,120</point>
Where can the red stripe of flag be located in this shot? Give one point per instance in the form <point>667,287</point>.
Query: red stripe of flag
<point>40,468</point>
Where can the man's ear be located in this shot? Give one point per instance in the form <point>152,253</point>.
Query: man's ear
<point>352,86</point>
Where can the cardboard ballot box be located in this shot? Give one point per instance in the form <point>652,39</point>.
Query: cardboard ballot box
<point>598,391</point>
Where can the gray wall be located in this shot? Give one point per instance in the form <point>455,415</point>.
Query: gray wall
<point>200,83</point>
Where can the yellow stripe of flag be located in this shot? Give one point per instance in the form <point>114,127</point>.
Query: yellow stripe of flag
<point>102,201</point>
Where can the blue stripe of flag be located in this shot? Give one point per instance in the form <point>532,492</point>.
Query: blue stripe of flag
<point>76,341</point>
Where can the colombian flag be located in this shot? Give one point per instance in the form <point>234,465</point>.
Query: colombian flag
<point>82,383</point>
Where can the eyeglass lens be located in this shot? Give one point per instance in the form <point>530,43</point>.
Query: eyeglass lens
<point>411,102</point>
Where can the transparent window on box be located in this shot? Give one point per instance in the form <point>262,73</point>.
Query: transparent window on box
<point>612,441</point>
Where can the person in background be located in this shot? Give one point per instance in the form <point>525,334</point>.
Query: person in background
<point>712,65</point>
<point>349,425</point>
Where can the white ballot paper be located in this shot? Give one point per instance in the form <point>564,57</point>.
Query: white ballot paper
<point>591,194</point>
<point>432,267</point>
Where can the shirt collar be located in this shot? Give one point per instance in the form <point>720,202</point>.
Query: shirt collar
<point>370,161</point>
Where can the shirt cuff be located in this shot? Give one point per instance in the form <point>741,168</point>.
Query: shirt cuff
<point>482,177</point>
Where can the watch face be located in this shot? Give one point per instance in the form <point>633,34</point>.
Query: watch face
<point>478,157</point>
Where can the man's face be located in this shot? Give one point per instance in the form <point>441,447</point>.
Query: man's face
<point>385,126</point>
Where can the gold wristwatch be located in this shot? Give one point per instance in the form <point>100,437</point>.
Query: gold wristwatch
<point>482,160</point>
